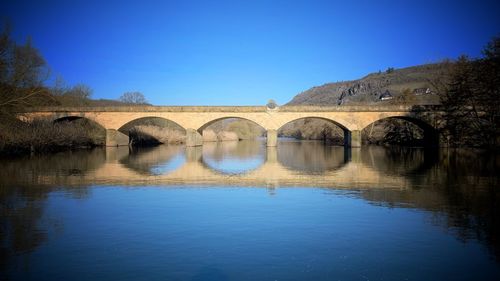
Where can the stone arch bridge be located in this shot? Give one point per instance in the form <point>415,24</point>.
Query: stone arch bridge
<point>352,119</point>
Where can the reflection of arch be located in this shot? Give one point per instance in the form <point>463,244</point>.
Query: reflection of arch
<point>431,135</point>
<point>156,160</point>
<point>312,156</point>
<point>234,155</point>
<point>204,126</point>
<point>125,127</point>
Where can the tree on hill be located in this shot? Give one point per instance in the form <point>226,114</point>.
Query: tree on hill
<point>77,95</point>
<point>487,84</point>
<point>133,98</point>
<point>81,91</point>
<point>472,100</point>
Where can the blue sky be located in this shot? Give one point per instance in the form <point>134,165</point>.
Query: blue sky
<point>242,52</point>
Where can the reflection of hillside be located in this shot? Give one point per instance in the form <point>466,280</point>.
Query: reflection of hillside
<point>20,214</point>
<point>25,184</point>
<point>398,161</point>
<point>461,191</point>
<point>311,156</point>
<point>145,160</point>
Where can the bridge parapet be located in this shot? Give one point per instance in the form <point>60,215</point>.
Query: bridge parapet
<point>288,108</point>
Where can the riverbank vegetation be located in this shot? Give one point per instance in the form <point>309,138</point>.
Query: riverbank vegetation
<point>18,137</point>
<point>147,135</point>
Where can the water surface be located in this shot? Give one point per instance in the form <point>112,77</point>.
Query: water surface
<point>241,211</point>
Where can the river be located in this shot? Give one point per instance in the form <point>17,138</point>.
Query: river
<point>242,211</point>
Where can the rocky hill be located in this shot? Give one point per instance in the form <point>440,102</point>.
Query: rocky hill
<point>381,87</point>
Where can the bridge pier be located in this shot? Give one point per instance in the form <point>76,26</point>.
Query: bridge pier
<point>193,138</point>
<point>352,138</point>
<point>271,154</point>
<point>193,154</point>
<point>115,154</point>
<point>272,137</point>
<point>116,138</point>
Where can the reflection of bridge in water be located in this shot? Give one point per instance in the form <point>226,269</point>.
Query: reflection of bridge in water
<point>345,168</point>
<point>457,191</point>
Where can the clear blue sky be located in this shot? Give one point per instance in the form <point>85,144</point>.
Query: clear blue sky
<point>242,52</point>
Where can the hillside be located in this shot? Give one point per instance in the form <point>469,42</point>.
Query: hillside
<point>370,89</point>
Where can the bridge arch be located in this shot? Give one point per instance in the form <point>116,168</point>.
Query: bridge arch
<point>249,129</point>
<point>154,130</point>
<point>73,117</point>
<point>208,123</point>
<point>338,123</point>
<point>79,129</point>
<point>151,118</point>
<point>344,134</point>
<point>430,133</point>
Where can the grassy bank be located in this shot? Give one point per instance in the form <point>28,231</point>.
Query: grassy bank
<point>17,137</point>
<point>153,135</point>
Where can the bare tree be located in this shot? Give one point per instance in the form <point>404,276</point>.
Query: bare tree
<point>22,73</point>
<point>133,98</point>
<point>80,91</point>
